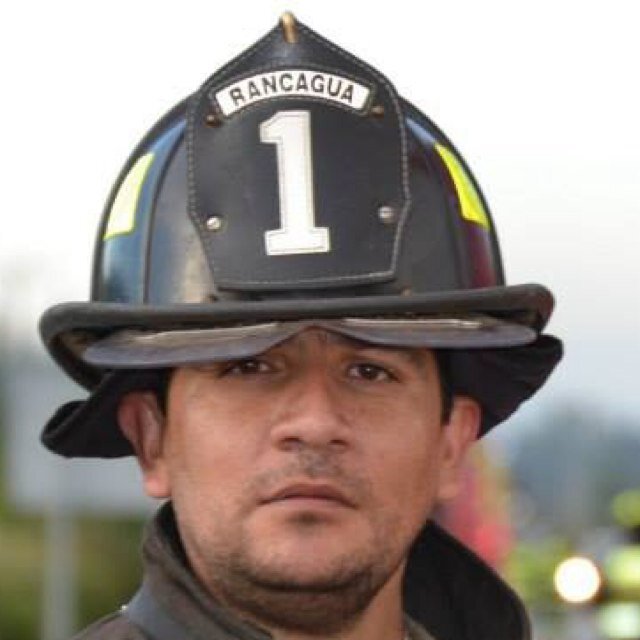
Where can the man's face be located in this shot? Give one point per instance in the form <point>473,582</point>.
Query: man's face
<point>309,468</point>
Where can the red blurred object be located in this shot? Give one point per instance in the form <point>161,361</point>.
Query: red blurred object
<point>479,515</point>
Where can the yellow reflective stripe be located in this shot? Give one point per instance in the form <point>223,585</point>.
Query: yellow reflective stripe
<point>122,217</point>
<point>470,203</point>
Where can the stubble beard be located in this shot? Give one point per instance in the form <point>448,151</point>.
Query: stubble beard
<point>269,594</point>
<point>266,590</point>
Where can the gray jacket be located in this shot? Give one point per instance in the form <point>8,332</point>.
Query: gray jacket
<point>449,595</point>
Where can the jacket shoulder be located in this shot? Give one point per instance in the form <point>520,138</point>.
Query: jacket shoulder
<point>112,627</point>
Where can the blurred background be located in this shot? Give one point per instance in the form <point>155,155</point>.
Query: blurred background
<point>542,99</point>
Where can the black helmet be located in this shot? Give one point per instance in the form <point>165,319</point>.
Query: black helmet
<point>295,188</point>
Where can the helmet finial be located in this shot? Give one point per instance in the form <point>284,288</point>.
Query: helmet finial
<point>288,23</point>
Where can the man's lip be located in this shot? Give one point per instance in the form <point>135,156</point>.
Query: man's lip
<point>309,491</point>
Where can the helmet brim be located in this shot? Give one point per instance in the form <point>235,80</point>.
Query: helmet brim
<point>143,349</point>
<point>69,329</point>
<point>500,378</point>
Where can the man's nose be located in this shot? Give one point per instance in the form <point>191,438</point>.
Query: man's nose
<point>312,414</point>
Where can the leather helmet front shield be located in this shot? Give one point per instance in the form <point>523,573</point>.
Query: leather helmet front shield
<point>297,161</point>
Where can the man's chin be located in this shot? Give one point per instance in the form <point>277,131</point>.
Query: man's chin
<point>313,574</point>
<point>308,536</point>
<point>314,579</point>
<point>307,596</point>
<point>307,552</point>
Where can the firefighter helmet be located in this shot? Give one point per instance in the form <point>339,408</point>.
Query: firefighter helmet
<point>295,188</point>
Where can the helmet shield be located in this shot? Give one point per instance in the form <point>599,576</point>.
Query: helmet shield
<point>312,188</point>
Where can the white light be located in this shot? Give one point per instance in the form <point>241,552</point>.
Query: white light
<point>577,580</point>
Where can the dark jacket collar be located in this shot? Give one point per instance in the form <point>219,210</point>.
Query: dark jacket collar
<point>447,589</point>
<point>456,596</point>
<point>179,593</point>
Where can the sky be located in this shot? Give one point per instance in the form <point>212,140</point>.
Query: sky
<point>542,99</point>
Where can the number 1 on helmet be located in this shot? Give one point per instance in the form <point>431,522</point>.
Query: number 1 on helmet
<point>290,131</point>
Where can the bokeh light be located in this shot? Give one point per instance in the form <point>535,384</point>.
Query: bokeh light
<point>577,580</point>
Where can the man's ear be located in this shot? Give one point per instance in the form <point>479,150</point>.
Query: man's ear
<point>458,435</point>
<point>142,422</point>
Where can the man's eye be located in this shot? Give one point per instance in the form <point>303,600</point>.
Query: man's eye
<point>370,372</point>
<point>247,367</point>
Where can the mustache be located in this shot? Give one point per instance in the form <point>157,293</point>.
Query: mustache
<point>316,465</point>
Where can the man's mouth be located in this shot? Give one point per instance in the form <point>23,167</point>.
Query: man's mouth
<point>303,492</point>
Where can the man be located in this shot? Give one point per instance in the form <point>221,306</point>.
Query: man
<point>299,325</point>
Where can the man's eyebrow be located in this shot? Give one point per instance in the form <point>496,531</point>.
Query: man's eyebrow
<point>415,356</point>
